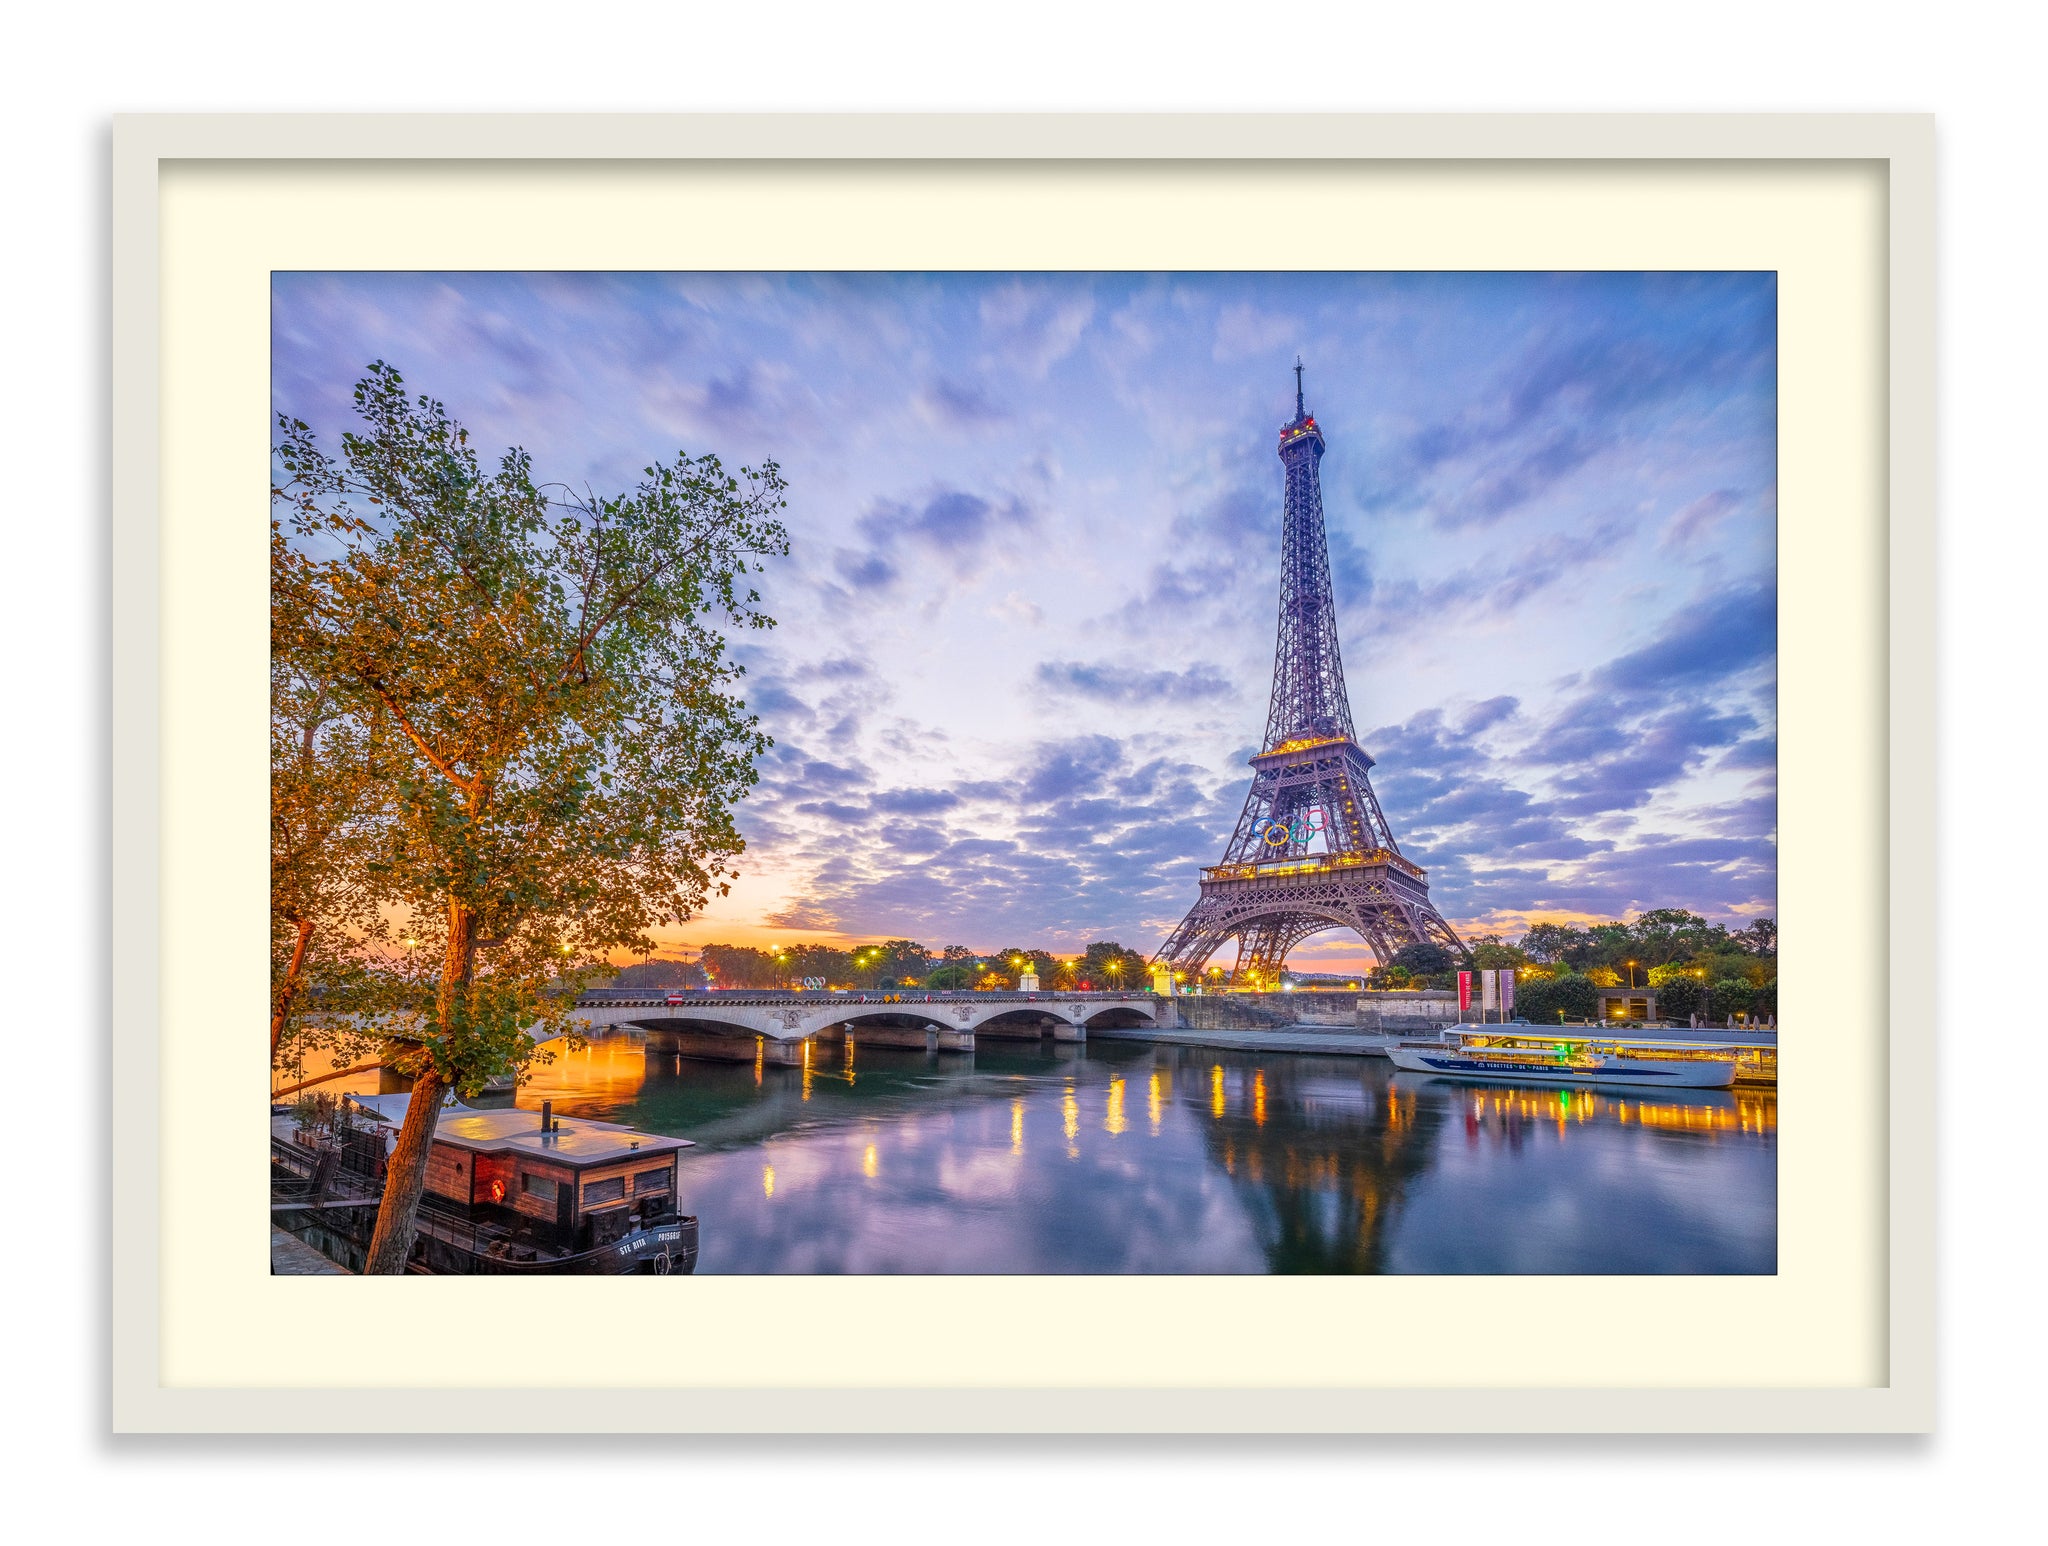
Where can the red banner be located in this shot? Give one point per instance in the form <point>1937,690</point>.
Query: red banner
<point>1464,992</point>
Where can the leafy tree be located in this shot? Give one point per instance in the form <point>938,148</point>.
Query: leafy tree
<point>1760,938</point>
<point>329,811</point>
<point>1424,958</point>
<point>903,958</point>
<point>1108,965</point>
<point>1668,934</point>
<point>1546,998</point>
<point>663,973</point>
<point>1489,954</point>
<point>1731,996</point>
<point>1013,961</point>
<point>549,666</point>
<point>826,961</point>
<point>1608,946</point>
<point>742,966</point>
<point>1681,997</point>
<point>1556,944</point>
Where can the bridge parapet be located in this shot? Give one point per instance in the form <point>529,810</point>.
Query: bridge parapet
<point>798,1016</point>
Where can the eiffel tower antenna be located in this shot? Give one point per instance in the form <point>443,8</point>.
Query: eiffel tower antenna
<point>1312,850</point>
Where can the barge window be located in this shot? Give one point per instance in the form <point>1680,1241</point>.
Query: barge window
<point>613,1189</point>
<point>538,1186</point>
<point>650,1181</point>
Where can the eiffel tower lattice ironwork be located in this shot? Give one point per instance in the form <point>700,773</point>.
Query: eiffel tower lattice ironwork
<point>1312,850</point>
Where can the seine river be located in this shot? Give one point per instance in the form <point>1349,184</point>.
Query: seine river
<point>1115,1156</point>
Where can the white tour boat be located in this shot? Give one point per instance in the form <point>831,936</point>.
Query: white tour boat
<point>1519,1055</point>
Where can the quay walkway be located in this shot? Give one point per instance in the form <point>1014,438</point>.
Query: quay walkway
<point>1337,1041</point>
<point>291,1257</point>
<point>1327,1040</point>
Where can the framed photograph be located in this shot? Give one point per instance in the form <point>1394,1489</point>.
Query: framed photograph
<point>1236,730</point>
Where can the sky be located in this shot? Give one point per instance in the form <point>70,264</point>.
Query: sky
<point>1026,628</point>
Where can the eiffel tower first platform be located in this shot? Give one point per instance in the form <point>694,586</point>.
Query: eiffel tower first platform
<point>1312,850</point>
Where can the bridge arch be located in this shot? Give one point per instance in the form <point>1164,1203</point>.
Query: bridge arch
<point>699,1025</point>
<point>1119,1016</point>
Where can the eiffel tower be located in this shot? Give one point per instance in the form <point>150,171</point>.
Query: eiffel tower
<point>1312,850</point>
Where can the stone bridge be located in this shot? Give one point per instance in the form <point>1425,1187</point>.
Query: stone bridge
<point>776,1028</point>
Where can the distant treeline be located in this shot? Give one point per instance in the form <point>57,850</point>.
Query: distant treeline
<point>1679,953</point>
<point>894,963</point>
<point>1695,966</point>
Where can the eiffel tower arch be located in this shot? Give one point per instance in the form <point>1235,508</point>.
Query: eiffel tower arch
<point>1312,850</point>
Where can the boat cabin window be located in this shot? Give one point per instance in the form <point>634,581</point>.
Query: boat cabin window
<point>538,1186</point>
<point>612,1189</point>
<point>650,1181</point>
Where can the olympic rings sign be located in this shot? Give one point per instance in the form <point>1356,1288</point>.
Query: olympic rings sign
<point>1277,834</point>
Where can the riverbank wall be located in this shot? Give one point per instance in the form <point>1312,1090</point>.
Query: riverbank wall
<point>1362,1011</point>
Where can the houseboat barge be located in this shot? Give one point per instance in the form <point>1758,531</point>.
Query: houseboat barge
<point>507,1192</point>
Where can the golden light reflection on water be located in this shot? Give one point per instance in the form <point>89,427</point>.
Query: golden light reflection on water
<point>1070,1122</point>
<point>849,1059</point>
<point>1016,1127</point>
<point>767,1180</point>
<point>608,1068</point>
<point>1216,1089</point>
<point>1757,1114</point>
<point>1155,1101</point>
<point>868,1162</point>
<point>1113,1120</point>
<point>1259,1098</point>
<point>760,1056</point>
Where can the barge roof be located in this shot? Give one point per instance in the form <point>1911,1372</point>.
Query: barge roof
<point>516,1130</point>
<point>575,1140</point>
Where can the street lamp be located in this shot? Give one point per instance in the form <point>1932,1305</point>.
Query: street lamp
<point>1631,974</point>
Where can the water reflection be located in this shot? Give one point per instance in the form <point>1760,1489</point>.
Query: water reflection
<point>1268,1164</point>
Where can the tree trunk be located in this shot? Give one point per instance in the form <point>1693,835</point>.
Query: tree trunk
<point>291,987</point>
<point>406,1179</point>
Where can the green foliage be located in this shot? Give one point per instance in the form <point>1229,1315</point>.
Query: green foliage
<point>741,966</point>
<point>540,678</point>
<point>1731,996</point>
<point>1489,953</point>
<point>661,973</point>
<point>1679,998</point>
<point>566,742</point>
<point>957,976</point>
<point>329,805</point>
<point>1550,943</point>
<point>1424,958</point>
<point>1542,999</point>
<point>1107,965</point>
<point>1662,943</point>
<point>1760,938</point>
